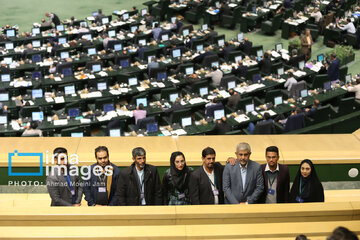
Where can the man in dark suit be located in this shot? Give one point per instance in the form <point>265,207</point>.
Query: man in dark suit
<point>100,188</point>
<point>295,58</point>
<point>227,49</point>
<point>205,185</point>
<point>246,46</point>
<point>53,18</point>
<point>139,184</point>
<point>233,100</point>
<point>265,64</point>
<point>333,70</point>
<point>240,71</point>
<point>276,178</point>
<point>3,68</point>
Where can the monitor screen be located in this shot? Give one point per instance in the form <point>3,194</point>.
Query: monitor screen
<point>8,60</point>
<point>327,85</point>
<point>36,58</point>
<point>278,47</point>
<point>204,91</point>
<point>35,31</point>
<point>173,97</point>
<point>221,42</point>
<point>189,70</point>
<point>9,46</point>
<point>152,127</point>
<point>5,77</point>
<point>105,20</point>
<point>218,114</point>
<point>88,37</point>
<point>173,20</point>
<point>133,81</point>
<point>301,65</point>
<point>143,12</point>
<point>112,33</point>
<point>161,76</point>
<point>96,68</point>
<point>101,86</point>
<point>304,93</point>
<point>37,116</point>
<point>10,32</point>
<point>73,112</point>
<point>278,100</point>
<point>348,78</point>
<point>204,27</point>
<point>125,63</point>
<point>199,48</point>
<point>60,28</point>
<point>3,119</point>
<point>115,132</point>
<point>237,58</point>
<point>186,122</point>
<point>215,64</point>
<point>69,89</point>
<point>176,53</point>
<point>256,78</point>
<point>62,40</point>
<point>249,108</point>
<point>186,32</point>
<point>118,47</point>
<point>77,134</point>
<point>142,42</point>
<point>150,58</point>
<point>4,97</point>
<point>259,53</point>
<point>165,37</point>
<point>280,71</point>
<point>217,4</point>
<point>320,57</point>
<point>133,28</point>
<point>108,107</point>
<point>83,24</point>
<point>94,14</point>
<point>141,100</point>
<point>64,55</point>
<point>240,37</point>
<point>125,16</point>
<point>67,72</point>
<point>91,51</point>
<point>36,75</point>
<point>37,93</point>
<point>231,84</point>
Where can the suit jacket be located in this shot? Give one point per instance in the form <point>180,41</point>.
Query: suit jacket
<point>222,128</point>
<point>233,187</point>
<point>239,71</point>
<point>128,190</point>
<point>282,184</point>
<point>233,101</point>
<point>91,186</point>
<point>334,70</point>
<point>265,66</point>
<point>59,190</point>
<point>246,47</point>
<point>200,188</point>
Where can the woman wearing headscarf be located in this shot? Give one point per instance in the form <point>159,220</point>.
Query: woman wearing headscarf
<point>307,186</point>
<point>175,181</point>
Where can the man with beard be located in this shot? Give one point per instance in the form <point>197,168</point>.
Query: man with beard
<point>100,188</point>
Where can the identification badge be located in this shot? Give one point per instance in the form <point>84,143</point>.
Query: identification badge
<point>215,192</point>
<point>182,195</point>
<point>299,199</point>
<point>102,189</point>
<point>72,192</point>
<point>271,191</point>
<point>141,195</point>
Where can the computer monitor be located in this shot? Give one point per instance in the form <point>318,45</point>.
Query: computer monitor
<point>3,119</point>
<point>186,122</point>
<point>143,12</point>
<point>101,86</point>
<point>4,97</point>
<point>105,20</point>
<point>115,132</point>
<point>111,33</point>
<point>320,57</point>
<point>217,4</point>
<point>74,112</point>
<point>118,47</point>
<point>165,37</point>
<point>176,53</point>
<point>62,40</point>
<point>64,55</point>
<point>37,93</point>
<point>108,107</point>
<point>173,97</point>
<point>301,65</point>
<point>8,60</point>
<point>37,116</point>
<point>5,77</point>
<point>173,20</point>
<point>185,32</point>
<point>221,42</point>
<point>161,76</point>
<point>9,46</point>
<point>280,71</point>
<point>94,14</point>
<point>231,84</point>
<point>132,81</point>
<point>141,100</point>
<point>125,63</point>
<point>218,114</point>
<point>278,47</point>
<point>150,58</point>
<point>35,31</point>
<point>69,90</point>
<point>84,24</point>
<point>240,37</point>
<point>259,53</point>
<point>88,37</point>
<point>36,58</point>
<point>237,58</point>
<point>152,127</point>
<point>327,85</point>
<point>199,48</point>
<point>67,72</point>
<point>215,64</point>
<point>348,78</point>
<point>77,134</point>
<point>142,42</point>
<point>60,28</point>
<point>189,70</point>
<point>278,100</point>
<point>133,28</point>
<point>36,75</point>
<point>256,78</point>
<point>249,108</point>
<point>91,51</point>
<point>96,68</point>
<point>204,27</point>
<point>10,32</point>
<point>203,91</point>
<point>304,93</point>
<point>125,16</point>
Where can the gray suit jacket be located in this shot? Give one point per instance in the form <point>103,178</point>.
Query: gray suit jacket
<point>233,187</point>
<point>59,190</point>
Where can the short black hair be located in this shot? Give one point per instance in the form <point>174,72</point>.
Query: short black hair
<point>267,116</point>
<point>272,149</point>
<point>59,150</point>
<point>33,125</point>
<point>208,151</point>
<point>100,149</point>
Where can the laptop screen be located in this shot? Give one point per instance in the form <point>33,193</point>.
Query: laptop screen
<point>37,93</point>
<point>278,100</point>
<point>125,63</point>
<point>3,119</point>
<point>280,71</point>
<point>60,28</point>
<point>91,51</point>
<point>37,116</point>
<point>231,84</point>
<point>215,64</point>
<point>118,47</point>
<point>237,58</point>
<point>176,53</point>
<point>304,93</point>
<point>240,37</point>
<point>36,58</point>
<point>69,89</point>
<point>35,31</point>
<point>301,65</point>
<point>133,28</point>
<point>9,46</point>
<point>64,55</point>
<point>101,86</point>
<point>10,33</point>
<point>115,132</point>
<point>199,48</point>
<point>77,134</point>
<point>141,100</point>
<point>327,85</point>
<point>112,33</point>
<point>96,68</point>
<point>152,127</point>
<point>249,108</point>
<point>5,77</point>
<point>320,57</point>
<point>105,20</point>
<point>221,42</point>
<point>133,81</point>
<point>4,97</point>
<point>173,97</point>
<point>161,76</point>
<point>67,72</point>
<point>256,78</point>
<point>185,32</point>
<point>204,91</point>
<point>218,114</point>
<point>204,27</point>
<point>36,75</point>
<point>189,70</point>
<point>186,122</point>
<point>62,40</point>
<point>278,47</point>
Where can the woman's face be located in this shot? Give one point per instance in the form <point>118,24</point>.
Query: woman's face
<point>305,170</point>
<point>179,162</point>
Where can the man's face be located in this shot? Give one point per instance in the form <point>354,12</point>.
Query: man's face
<point>62,159</point>
<point>208,161</point>
<point>140,161</point>
<point>243,157</point>
<point>272,159</point>
<point>102,158</point>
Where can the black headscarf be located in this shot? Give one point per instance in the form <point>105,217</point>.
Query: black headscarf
<point>311,187</point>
<point>179,178</point>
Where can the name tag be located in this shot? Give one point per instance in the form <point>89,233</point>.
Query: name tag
<point>141,195</point>
<point>182,195</point>
<point>72,192</point>
<point>216,192</point>
<point>271,191</point>
<point>102,189</point>
<point>299,199</point>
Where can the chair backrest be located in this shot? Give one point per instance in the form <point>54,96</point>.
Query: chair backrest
<point>61,67</point>
<point>228,78</point>
<point>270,95</point>
<point>243,102</point>
<point>165,93</point>
<point>319,80</point>
<point>210,109</point>
<point>295,122</point>
<point>142,123</point>
<point>346,105</point>
<point>177,115</point>
<point>209,59</point>
<point>296,88</point>
<point>323,113</point>
<point>112,43</point>
<point>264,127</point>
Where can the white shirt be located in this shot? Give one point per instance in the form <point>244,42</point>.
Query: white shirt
<point>350,28</point>
<point>317,16</point>
<point>211,177</point>
<point>141,180</point>
<point>243,175</point>
<point>289,83</point>
<point>215,76</point>
<point>355,89</point>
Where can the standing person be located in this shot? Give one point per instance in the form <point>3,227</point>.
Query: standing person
<point>306,42</point>
<point>307,186</point>
<point>333,69</point>
<point>53,18</point>
<point>175,183</point>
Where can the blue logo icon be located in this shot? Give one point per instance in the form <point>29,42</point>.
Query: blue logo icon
<point>24,155</point>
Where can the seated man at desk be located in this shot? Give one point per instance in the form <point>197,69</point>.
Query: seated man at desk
<point>215,75</point>
<point>310,112</point>
<point>316,15</point>
<point>289,82</point>
<point>265,64</point>
<point>295,58</point>
<point>99,16</point>
<point>233,99</point>
<point>246,46</point>
<point>348,27</point>
<point>32,130</point>
<point>356,89</point>
<point>239,71</point>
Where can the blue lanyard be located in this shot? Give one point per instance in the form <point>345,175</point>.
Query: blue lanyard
<point>67,177</point>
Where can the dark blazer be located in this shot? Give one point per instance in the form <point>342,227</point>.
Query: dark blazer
<point>265,66</point>
<point>200,187</point>
<point>240,71</point>
<point>226,51</point>
<point>233,101</point>
<point>282,184</point>
<point>91,186</point>
<point>56,20</point>
<point>246,47</point>
<point>128,190</point>
<point>334,70</point>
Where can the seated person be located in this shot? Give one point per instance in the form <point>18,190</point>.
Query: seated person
<point>226,51</point>
<point>153,64</point>
<point>316,15</point>
<point>349,27</point>
<point>295,58</point>
<point>240,71</point>
<point>267,118</point>
<point>139,113</point>
<point>99,16</point>
<point>265,64</point>
<point>289,82</point>
<point>83,29</point>
<point>214,102</point>
<point>356,89</point>
<point>309,112</point>
<point>215,75</point>
<point>222,126</point>
<point>32,130</point>
<point>140,51</point>
<point>246,46</point>
<point>156,31</point>
<point>233,99</point>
